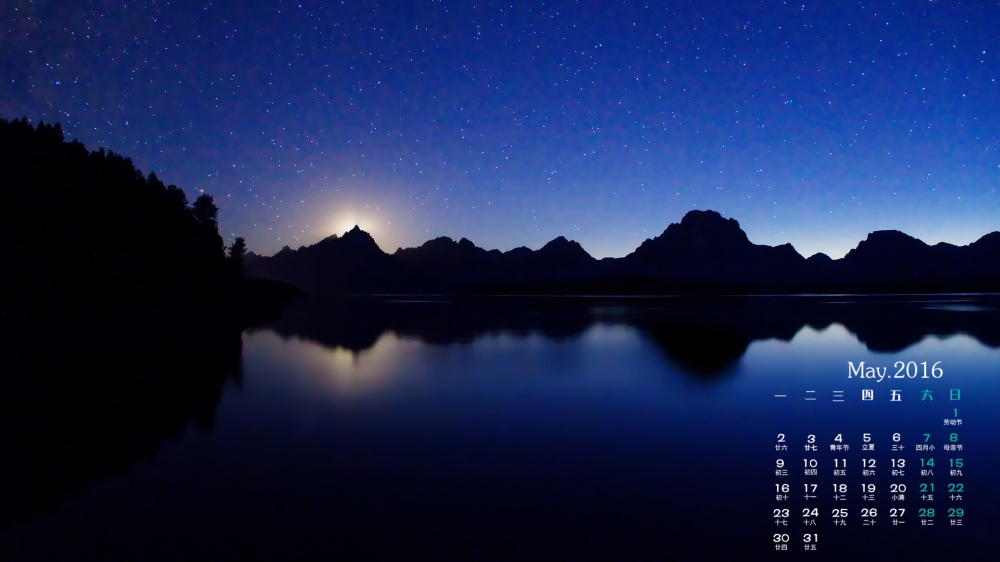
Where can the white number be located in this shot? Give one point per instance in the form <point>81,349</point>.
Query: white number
<point>937,372</point>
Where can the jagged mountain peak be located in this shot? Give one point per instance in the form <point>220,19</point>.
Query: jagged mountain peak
<point>883,244</point>
<point>558,242</point>
<point>707,216</point>
<point>888,236</point>
<point>354,233</point>
<point>712,226</point>
<point>441,243</point>
<point>560,246</point>
<point>358,238</point>
<point>699,232</point>
<point>330,240</point>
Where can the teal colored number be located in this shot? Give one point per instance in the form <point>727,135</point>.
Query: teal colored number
<point>956,487</point>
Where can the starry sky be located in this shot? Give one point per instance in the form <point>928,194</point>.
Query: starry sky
<point>513,123</point>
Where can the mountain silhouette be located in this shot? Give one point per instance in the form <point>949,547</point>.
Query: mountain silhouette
<point>889,258</point>
<point>354,263</point>
<point>709,249</point>
<point>704,253</point>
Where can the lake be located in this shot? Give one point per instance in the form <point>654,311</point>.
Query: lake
<point>529,428</point>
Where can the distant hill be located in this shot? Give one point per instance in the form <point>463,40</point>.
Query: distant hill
<point>704,253</point>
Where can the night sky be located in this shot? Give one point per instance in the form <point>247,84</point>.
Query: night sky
<point>811,123</point>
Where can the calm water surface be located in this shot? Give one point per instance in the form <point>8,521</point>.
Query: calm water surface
<point>636,429</point>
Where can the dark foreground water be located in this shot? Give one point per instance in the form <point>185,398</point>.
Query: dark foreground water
<point>507,429</point>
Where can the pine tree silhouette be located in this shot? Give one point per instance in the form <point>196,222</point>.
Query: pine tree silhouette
<point>87,226</point>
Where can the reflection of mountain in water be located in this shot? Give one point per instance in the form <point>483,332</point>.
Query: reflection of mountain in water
<point>84,401</point>
<point>704,337</point>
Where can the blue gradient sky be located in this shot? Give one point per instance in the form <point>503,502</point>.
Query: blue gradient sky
<point>811,123</point>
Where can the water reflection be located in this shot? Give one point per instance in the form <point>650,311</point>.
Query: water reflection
<point>338,369</point>
<point>85,401</point>
<point>705,338</point>
<point>474,429</point>
<point>609,441</point>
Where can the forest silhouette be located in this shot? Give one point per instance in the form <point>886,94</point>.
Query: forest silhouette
<point>88,229</point>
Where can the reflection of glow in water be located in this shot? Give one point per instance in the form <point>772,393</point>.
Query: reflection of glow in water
<point>955,344</point>
<point>615,334</point>
<point>342,370</point>
<point>808,336</point>
<point>814,351</point>
<point>839,338</point>
<point>808,344</point>
<point>393,359</point>
<point>838,335</point>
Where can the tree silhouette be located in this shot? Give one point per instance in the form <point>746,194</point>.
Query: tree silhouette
<point>238,251</point>
<point>88,227</point>
<point>205,210</point>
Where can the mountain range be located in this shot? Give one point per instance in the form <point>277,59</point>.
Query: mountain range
<point>704,253</point>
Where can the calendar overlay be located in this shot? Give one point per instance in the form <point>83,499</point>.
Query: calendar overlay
<point>830,482</point>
